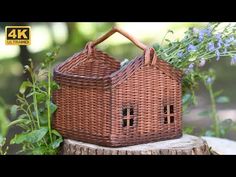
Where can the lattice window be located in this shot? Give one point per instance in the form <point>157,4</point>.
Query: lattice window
<point>127,117</point>
<point>169,114</point>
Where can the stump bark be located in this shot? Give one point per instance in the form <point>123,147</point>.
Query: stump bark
<point>186,145</point>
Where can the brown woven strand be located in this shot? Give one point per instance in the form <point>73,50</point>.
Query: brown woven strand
<point>94,92</point>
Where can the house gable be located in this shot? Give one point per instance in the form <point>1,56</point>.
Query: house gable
<point>136,64</point>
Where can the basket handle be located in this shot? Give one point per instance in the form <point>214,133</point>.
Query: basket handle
<point>147,50</point>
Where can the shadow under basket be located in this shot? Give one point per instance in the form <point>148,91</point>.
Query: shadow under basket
<point>104,103</point>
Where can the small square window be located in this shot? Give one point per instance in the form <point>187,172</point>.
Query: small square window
<point>131,123</point>
<point>124,122</point>
<point>171,109</point>
<point>172,119</point>
<point>165,109</point>
<point>124,111</point>
<point>165,120</point>
<point>131,111</point>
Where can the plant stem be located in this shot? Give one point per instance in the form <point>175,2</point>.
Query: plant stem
<point>49,101</point>
<point>35,102</point>
<point>31,115</point>
<point>213,110</point>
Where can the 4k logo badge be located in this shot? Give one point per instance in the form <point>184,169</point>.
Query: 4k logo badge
<point>18,35</point>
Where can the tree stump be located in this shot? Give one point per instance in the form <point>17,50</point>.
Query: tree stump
<point>186,145</point>
<point>221,146</point>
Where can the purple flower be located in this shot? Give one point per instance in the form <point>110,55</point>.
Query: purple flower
<point>233,60</point>
<point>208,32</point>
<point>217,55</point>
<point>211,46</point>
<point>180,54</point>
<point>220,42</point>
<point>218,36</point>
<point>202,33</point>
<point>191,66</point>
<point>202,62</point>
<point>187,71</point>
<point>192,48</point>
<point>209,80</point>
<point>229,40</point>
<point>227,44</point>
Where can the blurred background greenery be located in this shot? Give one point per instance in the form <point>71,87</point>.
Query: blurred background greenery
<point>72,37</point>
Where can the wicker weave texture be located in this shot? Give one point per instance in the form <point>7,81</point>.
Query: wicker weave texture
<point>102,103</point>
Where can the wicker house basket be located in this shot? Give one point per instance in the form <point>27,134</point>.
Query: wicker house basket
<point>104,103</point>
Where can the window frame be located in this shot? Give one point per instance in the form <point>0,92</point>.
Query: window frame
<point>169,114</point>
<point>130,118</point>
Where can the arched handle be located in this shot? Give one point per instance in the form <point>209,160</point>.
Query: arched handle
<point>122,32</point>
<point>147,50</point>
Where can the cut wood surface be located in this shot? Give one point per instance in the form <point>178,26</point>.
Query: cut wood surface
<point>221,146</point>
<point>186,145</point>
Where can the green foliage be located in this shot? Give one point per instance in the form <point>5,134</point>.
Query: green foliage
<point>35,109</point>
<point>218,128</point>
<point>30,137</point>
<point>24,86</point>
<point>190,54</point>
<point>222,99</point>
<point>188,130</point>
<point>4,122</point>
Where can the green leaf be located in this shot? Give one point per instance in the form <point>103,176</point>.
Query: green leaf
<point>217,93</point>
<point>43,117</point>
<point>53,107</point>
<point>20,138</point>
<point>223,132</point>
<point>192,58</point>
<point>39,150</point>
<point>156,46</point>
<point>223,99</point>
<point>204,113</point>
<point>227,123</point>
<point>13,110</point>
<point>188,130</point>
<point>20,121</point>
<point>170,31</point>
<point>24,86</point>
<point>3,122</point>
<point>54,86</point>
<point>56,143</point>
<point>41,97</point>
<point>209,133</point>
<point>2,140</point>
<point>30,94</point>
<point>186,98</point>
<point>56,133</point>
<point>2,103</point>
<point>22,116</point>
<point>50,54</point>
<point>167,40</point>
<point>31,137</point>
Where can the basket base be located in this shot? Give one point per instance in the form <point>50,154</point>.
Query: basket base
<point>186,145</point>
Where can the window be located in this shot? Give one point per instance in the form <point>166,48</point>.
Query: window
<point>124,124</point>
<point>165,120</point>
<point>172,120</point>
<point>168,114</point>
<point>131,111</point>
<point>124,112</point>
<point>128,117</point>
<point>171,109</point>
